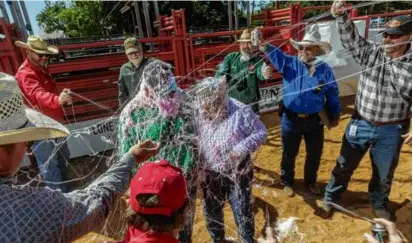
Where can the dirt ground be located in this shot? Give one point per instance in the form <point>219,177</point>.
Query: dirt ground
<point>268,195</point>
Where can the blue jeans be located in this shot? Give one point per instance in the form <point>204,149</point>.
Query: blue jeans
<point>292,130</point>
<point>235,186</point>
<point>385,143</point>
<point>52,157</point>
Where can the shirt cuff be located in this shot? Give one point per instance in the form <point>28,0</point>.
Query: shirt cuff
<point>263,47</point>
<point>240,151</point>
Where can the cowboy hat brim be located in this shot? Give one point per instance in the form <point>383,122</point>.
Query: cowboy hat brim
<point>131,49</point>
<point>325,47</point>
<point>37,127</point>
<point>51,50</point>
<point>243,41</point>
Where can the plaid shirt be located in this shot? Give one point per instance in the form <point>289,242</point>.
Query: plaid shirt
<point>241,131</point>
<point>43,215</point>
<point>385,86</point>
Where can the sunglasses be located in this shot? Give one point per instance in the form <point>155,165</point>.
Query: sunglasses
<point>392,37</point>
<point>135,53</point>
<point>43,55</point>
<point>307,48</point>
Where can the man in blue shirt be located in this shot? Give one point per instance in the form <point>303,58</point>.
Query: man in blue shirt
<point>309,87</point>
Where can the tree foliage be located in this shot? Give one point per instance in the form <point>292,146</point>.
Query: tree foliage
<point>80,18</point>
<point>94,18</point>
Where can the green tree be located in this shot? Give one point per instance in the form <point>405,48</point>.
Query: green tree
<point>49,17</point>
<point>81,18</point>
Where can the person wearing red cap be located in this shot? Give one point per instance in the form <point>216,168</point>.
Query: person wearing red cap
<point>157,205</point>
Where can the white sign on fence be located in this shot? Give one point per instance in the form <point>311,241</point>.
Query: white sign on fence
<point>271,97</point>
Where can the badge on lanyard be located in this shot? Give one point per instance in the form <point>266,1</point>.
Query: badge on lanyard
<point>353,130</point>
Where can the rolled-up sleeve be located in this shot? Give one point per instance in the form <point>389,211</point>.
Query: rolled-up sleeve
<point>254,131</point>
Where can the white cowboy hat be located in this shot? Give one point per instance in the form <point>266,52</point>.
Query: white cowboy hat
<point>19,123</point>
<point>38,45</point>
<point>313,38</point>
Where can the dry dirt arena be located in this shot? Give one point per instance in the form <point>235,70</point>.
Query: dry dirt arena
<point>269,196</point>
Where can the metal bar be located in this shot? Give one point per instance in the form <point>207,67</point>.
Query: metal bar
<point>258,16</point>
<point>26,17</point>
<point>280,18</point>
<point>188,64</point>
<point>248,13</point>
<point>21,21</point>
<point>14,15</point>
<point>404,12</point>
<point>147,18</point>
<point>4,11</point>
<point>147,21</point>
<point>316,8</point>
<point>156,7</point>
<point>138,19</point>
<point>90,45</point>
<point>236,14</point>
<point>229,15</point>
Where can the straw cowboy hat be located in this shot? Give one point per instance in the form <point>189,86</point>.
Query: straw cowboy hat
<point>313,38</point>
<point>38,45</point>
<point>245,36</point>
<point>132,45</point>
<point>19,123</point>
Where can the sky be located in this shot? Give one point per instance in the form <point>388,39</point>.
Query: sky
<point>33,8</point>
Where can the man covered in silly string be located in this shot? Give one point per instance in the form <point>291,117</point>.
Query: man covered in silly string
<point>159,113</point>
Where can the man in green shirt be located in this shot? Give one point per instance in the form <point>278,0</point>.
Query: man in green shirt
<point>243,70</point>
<point>131,72</point>
<point>160,113</point>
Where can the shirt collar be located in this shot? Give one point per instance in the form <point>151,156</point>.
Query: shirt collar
<point>36,68</point>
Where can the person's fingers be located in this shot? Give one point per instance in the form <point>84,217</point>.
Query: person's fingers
<point>390,226</point>
<point>146,144</point>
<point>154,150</point>
<point>408,138</point>
<point>370,238</point>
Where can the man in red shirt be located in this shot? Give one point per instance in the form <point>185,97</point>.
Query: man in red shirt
<point>158,204</point>
<point>40,93</point>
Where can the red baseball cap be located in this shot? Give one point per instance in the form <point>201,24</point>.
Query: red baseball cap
<point>162,179</point>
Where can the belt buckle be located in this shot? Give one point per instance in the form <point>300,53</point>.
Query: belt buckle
<point>302,116</point>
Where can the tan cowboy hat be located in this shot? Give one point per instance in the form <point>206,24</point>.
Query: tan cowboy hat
<point>245,36</point>
<point>313,38</point>
<point>19,123</point>
<point>132,45</point>
<point>38,45</point>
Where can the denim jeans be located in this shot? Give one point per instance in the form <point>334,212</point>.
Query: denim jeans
<point>292,130</point>
<point>52,157</point>
<point>385,143</point>
<point>236,186</point>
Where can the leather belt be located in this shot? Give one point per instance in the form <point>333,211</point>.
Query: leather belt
<point>356,116</point>
<point>299,115</point>
<point>303,116</point>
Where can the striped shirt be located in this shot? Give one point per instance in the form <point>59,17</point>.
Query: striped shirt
<point>385,87</point>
